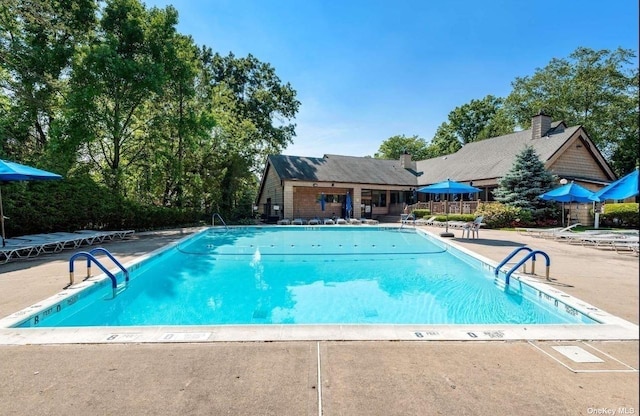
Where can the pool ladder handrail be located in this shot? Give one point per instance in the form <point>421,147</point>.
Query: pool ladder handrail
<point>91,258</point>
<point>213,220</point>
<point>531,255</point>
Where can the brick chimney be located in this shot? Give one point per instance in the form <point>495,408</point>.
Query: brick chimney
<point>405,161</point>
<point>540,125</point>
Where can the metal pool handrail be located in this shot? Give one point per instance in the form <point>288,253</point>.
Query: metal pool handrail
<point>531,255</point>
<point>90,258</point>
<point>213,220</point>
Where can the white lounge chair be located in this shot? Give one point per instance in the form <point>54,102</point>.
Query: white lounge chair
<point>545,232</point>
<point>102,235</point>
<point>314,221</point>
<point>422,221</point>
<point>298,221</point>
<point>328,221</point>
<point>341,221</point>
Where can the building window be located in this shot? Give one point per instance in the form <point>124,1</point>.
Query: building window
<point>379,198</point>
<point>332,198</point>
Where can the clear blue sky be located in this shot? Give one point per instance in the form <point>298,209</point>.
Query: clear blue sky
<point>366,70</point>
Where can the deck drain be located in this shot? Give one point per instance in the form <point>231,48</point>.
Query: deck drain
<point>577,354</point>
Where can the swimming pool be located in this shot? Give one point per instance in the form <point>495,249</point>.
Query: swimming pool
<point>312,275</point>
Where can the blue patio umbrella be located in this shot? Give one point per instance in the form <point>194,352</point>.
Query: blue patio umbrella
<point>448,187</point>
<point>623,188</point>
<point>571,192</point>
<point>13,172</point>
<point>322,201</point>
<point>348,205</point>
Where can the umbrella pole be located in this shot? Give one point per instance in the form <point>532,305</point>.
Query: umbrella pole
<point>4,243</point>
<point>446,215</point>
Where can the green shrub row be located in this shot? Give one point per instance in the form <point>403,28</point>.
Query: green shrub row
<point>79,203</point>
<point>620,215</point>
<point>421,213</point>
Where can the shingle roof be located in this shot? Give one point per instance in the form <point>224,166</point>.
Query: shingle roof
<point>486,159</point>
<point>337,168</point>
<point>492,158</point>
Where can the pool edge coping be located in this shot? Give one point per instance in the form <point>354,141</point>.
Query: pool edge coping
<point>613,327</point>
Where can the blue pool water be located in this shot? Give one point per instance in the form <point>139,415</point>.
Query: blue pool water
<point>312,275</point>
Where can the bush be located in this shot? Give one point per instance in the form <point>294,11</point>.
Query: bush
<point>497,215</point>
<point>620,215</point>
<point>456,217</point>
<point>78,203</point>
<point>421,213</point>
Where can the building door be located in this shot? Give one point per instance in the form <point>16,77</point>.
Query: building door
<point>365,208</point>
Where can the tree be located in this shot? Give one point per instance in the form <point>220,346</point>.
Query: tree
<point>444,142</point>
<point>525,182</point>
<point>394,146</point>
<point>114,81</point>
<point>595,89</point>
<point>37,43</point>
<point>480,119</point>
<point>259,98</point>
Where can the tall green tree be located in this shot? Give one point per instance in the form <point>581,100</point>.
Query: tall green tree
<point>114,81</point>
<point>594,88</point>
<point>480,119</point>
<point>525,182</point>
<point>444,142</point>
<point>259,98</point>
<point>394,146</point>
<point>180,120</point>
<point>38,40</point>
<point>253,110</point>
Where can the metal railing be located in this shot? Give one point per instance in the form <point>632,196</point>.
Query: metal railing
<point>213,220</point>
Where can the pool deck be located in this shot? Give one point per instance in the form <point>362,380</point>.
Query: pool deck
<point>332,377</point>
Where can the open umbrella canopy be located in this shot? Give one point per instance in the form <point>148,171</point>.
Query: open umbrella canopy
<point>571,192</point>
<point>448,187</point>
<point>12,172</point>
<point>623,188</point>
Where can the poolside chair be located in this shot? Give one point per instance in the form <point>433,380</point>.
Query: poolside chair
<point>625,246</point>
<point>102,235</point>
<point>284,221</point>
<point>354,221</point>
<point>328,221</point>
<point>544,232</point>
<point>298,221</point>
<point>341,221</point>
<point>407,218</point>
<point>422,221</point>
<point>314,221</point>
<point>46,243</point>
<point>555,233</point>
<point>18,249</point>
<point>472,228</point>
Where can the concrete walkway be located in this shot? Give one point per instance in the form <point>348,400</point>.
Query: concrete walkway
<point>329,377</point>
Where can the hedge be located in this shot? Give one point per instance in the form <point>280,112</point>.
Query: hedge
<point>78,203</point>
<point>623,215</point>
